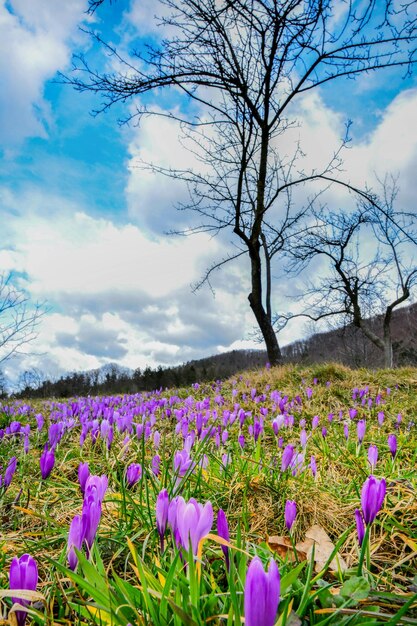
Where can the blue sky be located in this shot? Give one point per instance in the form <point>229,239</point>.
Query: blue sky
<point>83,228</point>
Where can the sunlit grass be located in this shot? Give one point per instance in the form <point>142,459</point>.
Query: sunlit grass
<point>128,580</point>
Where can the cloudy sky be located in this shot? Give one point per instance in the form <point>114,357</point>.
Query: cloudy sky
<point>84,229</point>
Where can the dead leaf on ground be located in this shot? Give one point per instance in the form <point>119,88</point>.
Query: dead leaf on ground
<point>323,548</point>
<point>283,547</point>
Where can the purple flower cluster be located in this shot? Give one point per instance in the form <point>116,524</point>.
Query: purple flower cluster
<point>84,527</point>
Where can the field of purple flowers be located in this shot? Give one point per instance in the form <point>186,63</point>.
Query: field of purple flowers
<point>282,497</point>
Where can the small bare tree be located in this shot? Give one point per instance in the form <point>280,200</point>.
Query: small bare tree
<point>245,63</point>
<point>19,319</point>
<point>371,266</point>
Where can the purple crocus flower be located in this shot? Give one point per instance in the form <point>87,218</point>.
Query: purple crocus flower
<point>133,474</point>
<point>194,522</point>
<point>360,527</point>
<point>361,428</point>
<point>97,487</point>
<point>182,462</point>
<point>290,514</point>
<point>162,508</point>
<point>352,413</point>
<point>287,457</point>
<point>90,519</point>
<point>381,417</point>
<point>223,532</point>
<point>315,422</point>
<point>75,540</point>
<point>23,575</point>
<point>10,470</point>
<point>392,445</point>
<point>46,462</point>
<point>313,465</point>
<point>372,455</point>
<point>156,439</point>
<point>297,464</point>
<point>261,594</point>
<point>156,463</point>
<point>172,518</point>
<point>372,497</point>
<point>83,475</point>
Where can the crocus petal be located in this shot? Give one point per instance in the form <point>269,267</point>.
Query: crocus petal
<point>372,497</point>
<point>187,520</point>
<point>255,594</point>
<point>204,525</point>
<point>272,597</point>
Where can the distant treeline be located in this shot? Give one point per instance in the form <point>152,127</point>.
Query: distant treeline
<point>113,379</point>
<point>343,345</point>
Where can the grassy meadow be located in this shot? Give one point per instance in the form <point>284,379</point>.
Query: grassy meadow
<point>140,555</point>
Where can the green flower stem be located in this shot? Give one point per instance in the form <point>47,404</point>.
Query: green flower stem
<point>364,550</point>
<point>294,548</point>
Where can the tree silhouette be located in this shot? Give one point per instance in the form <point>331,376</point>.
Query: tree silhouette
<point>245,63</point>
<point>19,319</point>
<point>371,259</point>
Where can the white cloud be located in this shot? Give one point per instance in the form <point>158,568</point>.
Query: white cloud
<point>391,147</point>
<point>152,197</point>
<point>35,38</point>
<point>77,253</point>
<point>115,294</point>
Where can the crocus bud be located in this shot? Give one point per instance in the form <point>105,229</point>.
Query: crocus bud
<point>46,462</point>
<point>75,540</point>
<point>133,474</point>
<point>261,594</point>
<point>287,457</point>
<point>10,470</point>
<point>360,527</point>
<point>223,532</point>
<point>96,486</point>
<point>372,497</point>
<point>372,456</point>
<point>361,427</point>
<point>156,462</point>
<point>162,506</point>
<point>392,445</point>
<point>313,465</point>
<point>290,514</point>
<point>90,519</point>
<point>23,575</point>
<point>83,475</point>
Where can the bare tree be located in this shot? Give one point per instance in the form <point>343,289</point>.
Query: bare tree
<point>245,63</point>
<point>19,319</point>
<point>30,380</point>
<point>3,385</point>
<point>371,266</point>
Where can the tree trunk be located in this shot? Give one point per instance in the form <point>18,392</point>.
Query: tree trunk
<point>388,353</point>
<point>264,321</point>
